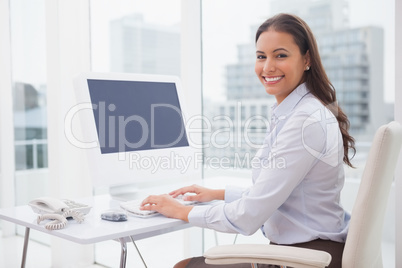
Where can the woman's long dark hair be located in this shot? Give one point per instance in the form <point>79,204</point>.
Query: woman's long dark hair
<point>316,79</point>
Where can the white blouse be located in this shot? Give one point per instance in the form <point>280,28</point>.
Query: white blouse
<point>297,178</point>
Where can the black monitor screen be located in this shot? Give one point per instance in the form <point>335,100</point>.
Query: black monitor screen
<point>136,115</point>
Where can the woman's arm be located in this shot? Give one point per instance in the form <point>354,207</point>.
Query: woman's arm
<point>168,206</point>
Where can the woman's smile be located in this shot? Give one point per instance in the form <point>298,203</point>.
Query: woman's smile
<point>273,79</point>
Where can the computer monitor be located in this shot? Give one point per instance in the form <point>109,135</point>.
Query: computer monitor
<point>134,128</point>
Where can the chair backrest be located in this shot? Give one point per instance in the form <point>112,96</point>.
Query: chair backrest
<point>363,244</point>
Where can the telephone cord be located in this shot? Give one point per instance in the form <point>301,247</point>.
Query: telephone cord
<point>58,222</point>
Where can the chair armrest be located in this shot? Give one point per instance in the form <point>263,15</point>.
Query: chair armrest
<point>267,254</point>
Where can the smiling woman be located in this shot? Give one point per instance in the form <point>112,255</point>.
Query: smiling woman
<point>299,204</point>
<point>293,32</point>
<point>356,45</point>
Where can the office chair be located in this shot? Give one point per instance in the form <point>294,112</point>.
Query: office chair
<point>363,243</point>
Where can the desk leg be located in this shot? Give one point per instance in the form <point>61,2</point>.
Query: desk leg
<point>25,250</point>
<point>123,256</point>
<point>139,253</point>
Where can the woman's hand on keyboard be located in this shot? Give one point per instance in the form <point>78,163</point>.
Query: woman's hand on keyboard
<point>166,205</point>
<point>202,194</point>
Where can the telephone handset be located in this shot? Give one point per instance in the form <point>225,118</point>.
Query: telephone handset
<point>53,205</point>
<point>58,210</point>
<point>48,205</point>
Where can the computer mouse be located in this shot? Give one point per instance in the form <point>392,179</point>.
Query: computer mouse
<point>114,215</point>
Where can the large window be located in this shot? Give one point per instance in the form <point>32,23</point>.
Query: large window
<point>28,47</point>
<point>233,99</point>
<point>29,83</point>
<point>357,50</point>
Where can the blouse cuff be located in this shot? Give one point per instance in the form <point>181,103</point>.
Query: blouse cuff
<point>197,216</point>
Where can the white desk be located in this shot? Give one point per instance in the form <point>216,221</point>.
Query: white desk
<point>94,229</point>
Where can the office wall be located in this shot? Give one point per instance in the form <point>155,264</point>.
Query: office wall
<point>398,117</point>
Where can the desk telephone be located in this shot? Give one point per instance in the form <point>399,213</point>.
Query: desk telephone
<point>58,210</point>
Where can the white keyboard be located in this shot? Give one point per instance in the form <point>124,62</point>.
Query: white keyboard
<point>133,207</point>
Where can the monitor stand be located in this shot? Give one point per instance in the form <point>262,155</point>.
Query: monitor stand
<point>125,192</point>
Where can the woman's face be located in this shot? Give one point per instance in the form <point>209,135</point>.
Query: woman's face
<point>279,65</point>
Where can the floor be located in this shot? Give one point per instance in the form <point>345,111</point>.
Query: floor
<point>108,253</point>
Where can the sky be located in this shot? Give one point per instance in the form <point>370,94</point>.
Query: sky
<point>226,23</point>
